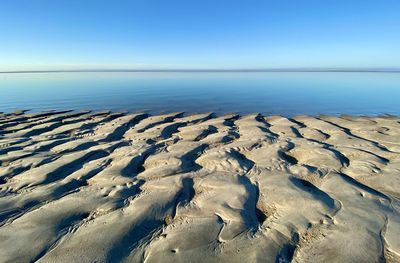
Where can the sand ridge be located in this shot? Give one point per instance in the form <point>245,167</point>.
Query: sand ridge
<point>77,186</point>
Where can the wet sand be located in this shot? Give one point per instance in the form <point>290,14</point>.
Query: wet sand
<point>114,187</point>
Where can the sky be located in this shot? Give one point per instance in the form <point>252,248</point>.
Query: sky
<point>185,34</point>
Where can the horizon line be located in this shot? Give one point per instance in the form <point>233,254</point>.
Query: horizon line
<point>207,70</point>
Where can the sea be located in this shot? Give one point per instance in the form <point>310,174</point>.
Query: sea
<point>268,93</point>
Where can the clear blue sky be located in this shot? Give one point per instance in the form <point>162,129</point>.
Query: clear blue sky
<point>199,33</point>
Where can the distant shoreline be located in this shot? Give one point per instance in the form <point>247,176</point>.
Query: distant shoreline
<point>204,71</point>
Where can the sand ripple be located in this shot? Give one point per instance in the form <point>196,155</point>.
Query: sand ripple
<point>114,187</point>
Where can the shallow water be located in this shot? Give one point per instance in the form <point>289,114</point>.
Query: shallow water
<point>268,93</point>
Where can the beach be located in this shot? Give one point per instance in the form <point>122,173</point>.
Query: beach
<point>81,186</point>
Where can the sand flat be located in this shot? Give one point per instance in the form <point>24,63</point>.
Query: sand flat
<point>123,187</point>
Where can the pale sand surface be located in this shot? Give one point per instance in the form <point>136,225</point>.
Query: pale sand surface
<point>113,187</point>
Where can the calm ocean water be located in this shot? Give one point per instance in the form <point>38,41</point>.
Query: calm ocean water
<point>268,93</point>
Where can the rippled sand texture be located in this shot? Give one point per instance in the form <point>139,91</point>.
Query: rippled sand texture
<point>111,187</point>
